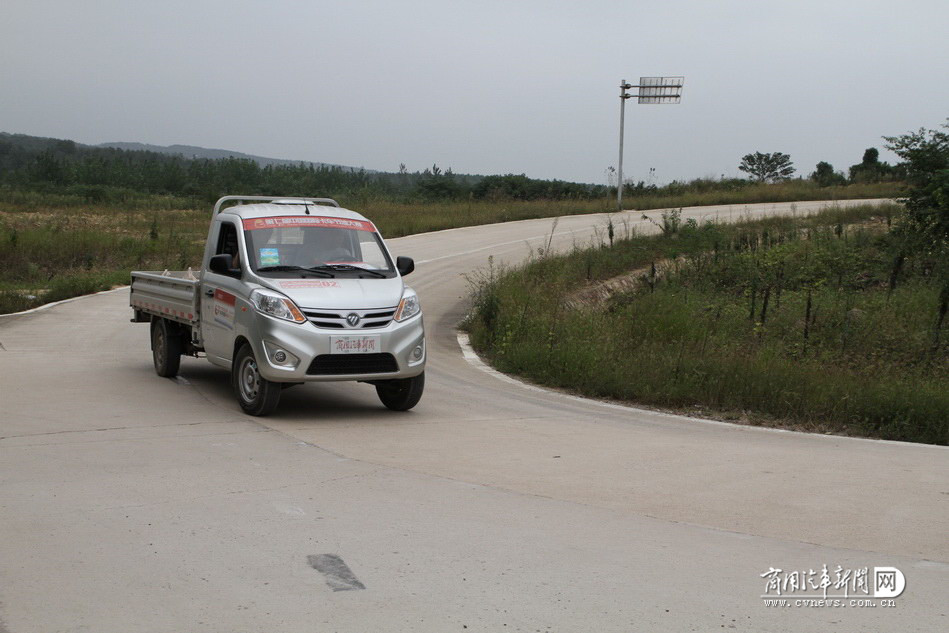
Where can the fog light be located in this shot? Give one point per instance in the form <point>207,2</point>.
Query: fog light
<point>280,358</point>
<point>417,353</point>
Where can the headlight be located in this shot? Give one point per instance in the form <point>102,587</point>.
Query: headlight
<point>275,305</point>
<point>408,307</point>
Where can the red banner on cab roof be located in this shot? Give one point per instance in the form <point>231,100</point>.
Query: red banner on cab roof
<point>308,220</point>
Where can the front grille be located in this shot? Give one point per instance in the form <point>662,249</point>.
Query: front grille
<point>368,319</point>
<point>344,364</point>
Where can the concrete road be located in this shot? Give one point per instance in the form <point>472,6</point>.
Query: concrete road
<point>130,502</point>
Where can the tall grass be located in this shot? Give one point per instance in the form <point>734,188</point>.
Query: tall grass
<point>14,199</point>
<point>783,320</point>
<point>51,254</point>
<point>95,235</point>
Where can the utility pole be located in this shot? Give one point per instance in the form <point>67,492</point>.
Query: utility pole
<point>623,96</point>
<point>656,90</point>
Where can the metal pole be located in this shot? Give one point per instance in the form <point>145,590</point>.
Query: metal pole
<point>622,115</point>
<point>657,90</point>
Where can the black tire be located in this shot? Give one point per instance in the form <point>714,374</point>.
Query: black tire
<point>166,348</point>
<point>401,394</point>
<point>256,395</point>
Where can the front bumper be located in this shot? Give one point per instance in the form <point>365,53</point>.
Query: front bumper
<point>306,342</point>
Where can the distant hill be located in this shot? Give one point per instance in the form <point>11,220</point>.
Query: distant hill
<point>193,151</point>
<point>189,170</point>
<point>40,143</point>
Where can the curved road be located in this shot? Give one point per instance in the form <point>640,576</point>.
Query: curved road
<point>134,503</point>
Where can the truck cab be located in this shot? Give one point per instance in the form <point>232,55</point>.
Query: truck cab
<point>296,290</point>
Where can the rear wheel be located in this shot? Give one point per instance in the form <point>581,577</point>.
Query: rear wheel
<point>256,394</point>
<point>401,394</point>
<point>166,348</point>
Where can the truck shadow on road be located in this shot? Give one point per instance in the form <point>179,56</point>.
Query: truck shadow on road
<point>329,402</point>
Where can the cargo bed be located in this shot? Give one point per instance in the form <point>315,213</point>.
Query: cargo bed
<point>172,295</point>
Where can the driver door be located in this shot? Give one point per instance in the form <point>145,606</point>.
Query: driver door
<point>222,294</point>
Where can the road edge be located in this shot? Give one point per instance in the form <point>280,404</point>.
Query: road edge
<point>46,306</point>
<point>472,357</point>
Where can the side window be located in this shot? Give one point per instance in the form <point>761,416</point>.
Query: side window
<point>227,243</point>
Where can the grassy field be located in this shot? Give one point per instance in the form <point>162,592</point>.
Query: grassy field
<point>52,254</point>
<point>810,323</point>
<point>58,245</point>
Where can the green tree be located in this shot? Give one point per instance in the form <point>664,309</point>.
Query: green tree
<point>825,176</point>
<point>926,156</point>
<point>870,169</point>
<point>767,167</point>
<point>47,167</point>
<point>438,185</point>
<point>925,227</point>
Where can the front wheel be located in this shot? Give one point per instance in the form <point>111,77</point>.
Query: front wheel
<point>256,394</point>
<point>401,394</point>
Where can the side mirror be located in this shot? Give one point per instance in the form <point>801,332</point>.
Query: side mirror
<point>404,265</point>
<point>221,264</point>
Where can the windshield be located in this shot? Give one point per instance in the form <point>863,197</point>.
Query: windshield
<point>315,245</point>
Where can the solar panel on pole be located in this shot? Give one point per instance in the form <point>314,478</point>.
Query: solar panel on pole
<point>660,89</point>
<point>652,90</point>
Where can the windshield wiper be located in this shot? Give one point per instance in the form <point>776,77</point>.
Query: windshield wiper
<point>325,267</point>
<point>284,269</point>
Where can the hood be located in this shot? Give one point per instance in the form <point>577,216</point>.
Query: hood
<point>340,293</point>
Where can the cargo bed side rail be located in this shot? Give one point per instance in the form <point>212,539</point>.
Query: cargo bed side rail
<point>167,296</point>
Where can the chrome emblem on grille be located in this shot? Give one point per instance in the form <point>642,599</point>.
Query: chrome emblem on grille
<point>353,319</point>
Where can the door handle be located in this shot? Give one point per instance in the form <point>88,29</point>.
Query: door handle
<point>209,292</point>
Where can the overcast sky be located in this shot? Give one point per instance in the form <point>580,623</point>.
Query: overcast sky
<point>483,87</point>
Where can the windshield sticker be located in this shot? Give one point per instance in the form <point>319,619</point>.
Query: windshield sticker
<point>269,257</point>
<point>310,220</point>
<point>308,283</point>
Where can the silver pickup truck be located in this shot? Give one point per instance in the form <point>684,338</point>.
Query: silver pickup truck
<point>291,290</point>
